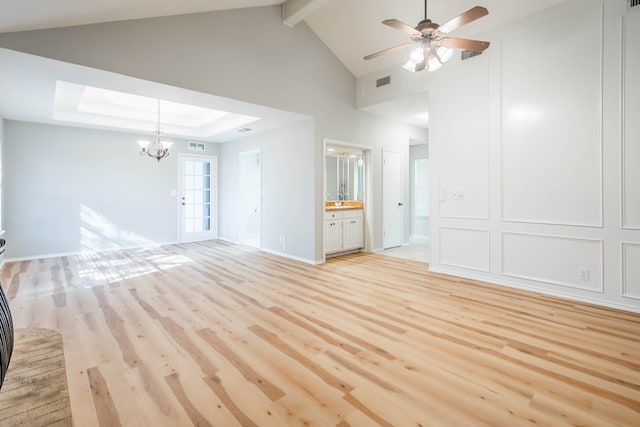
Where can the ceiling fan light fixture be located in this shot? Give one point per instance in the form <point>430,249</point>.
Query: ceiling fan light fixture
<point>414,66</point>
<point>445,53</point>
<point>437,57</point>
<point>417,55</point>
<point>428,32</point>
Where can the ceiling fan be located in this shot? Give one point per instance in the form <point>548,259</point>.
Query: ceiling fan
<point>433,42</point>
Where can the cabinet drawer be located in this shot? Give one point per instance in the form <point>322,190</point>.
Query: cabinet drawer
<point>333,215</point>
<point>352,214</point>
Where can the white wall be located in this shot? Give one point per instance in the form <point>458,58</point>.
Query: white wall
<point>537,162</point>
<point>285,68</point>
<point>71,190</point>
<point>533,143</point>
<point>287,203</point>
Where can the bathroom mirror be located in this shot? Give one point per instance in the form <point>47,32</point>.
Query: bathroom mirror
<point>344,174</point>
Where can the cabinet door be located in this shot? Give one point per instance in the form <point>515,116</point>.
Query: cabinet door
<point>352,233</point>
<point>332,236</point>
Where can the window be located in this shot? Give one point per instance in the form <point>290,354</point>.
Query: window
<point>421,187</point>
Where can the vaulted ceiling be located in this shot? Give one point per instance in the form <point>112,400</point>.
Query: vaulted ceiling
<point>350,28</point>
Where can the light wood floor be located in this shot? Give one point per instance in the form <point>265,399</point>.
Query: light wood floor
<point>217,334</point>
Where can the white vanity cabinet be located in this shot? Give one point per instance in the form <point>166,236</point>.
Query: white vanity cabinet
<point>332,232</point>
<point>343,230</point>
<point>352,230</point>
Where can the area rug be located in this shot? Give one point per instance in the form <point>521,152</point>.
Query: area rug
<point>35,390</point>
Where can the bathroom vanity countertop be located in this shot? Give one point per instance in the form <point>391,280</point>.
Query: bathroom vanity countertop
<point>344,205</point>
<point>341,208</point>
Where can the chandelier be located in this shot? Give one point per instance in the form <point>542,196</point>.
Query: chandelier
<point>157,149</point>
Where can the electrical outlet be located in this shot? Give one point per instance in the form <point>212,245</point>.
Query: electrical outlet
<point>583,274</point>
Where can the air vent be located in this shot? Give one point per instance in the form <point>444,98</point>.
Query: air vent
<point>466,54</point>
<point>633,3</point>
<point>196,146</point>
<point>383,81</point>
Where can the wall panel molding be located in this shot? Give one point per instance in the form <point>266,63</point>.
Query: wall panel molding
<point>553,259</point>
<point>630,270</point>
<point>630,128</point>
<point>543,134</point>
<point>470,248</point>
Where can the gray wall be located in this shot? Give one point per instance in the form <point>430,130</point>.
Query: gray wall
<point>72,189</point>
<point>287,202</point>
<point>249,55</point>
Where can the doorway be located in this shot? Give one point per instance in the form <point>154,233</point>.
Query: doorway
<point>249,198</point>
<point>392,199</point>
<point>198,198</point>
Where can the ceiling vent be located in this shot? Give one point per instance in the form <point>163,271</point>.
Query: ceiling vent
<point>196,146</point>
<point>466,54</point>
<point>633,3</point>
<point>383,81</point>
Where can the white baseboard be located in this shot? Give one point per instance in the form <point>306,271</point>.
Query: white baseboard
<point>509,284</point>
<point>76,253</point>
<point>278,253</point>
<point>416,238</point>
<point>293,257</point>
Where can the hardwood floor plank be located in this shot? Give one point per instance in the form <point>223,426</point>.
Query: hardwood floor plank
<point>275,341</point>
<point>212,333</point>
<point>216,385</point>
<point>107,414</point>
<point>270,390</point>
<point>176,387</point>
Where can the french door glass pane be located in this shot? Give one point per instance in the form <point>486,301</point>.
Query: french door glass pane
<point>197,196</point>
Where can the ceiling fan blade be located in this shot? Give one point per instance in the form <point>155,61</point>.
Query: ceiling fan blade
<point>390,49</point>
<point>460,20</point>
<point>399,25</point>
<point>467,44</point>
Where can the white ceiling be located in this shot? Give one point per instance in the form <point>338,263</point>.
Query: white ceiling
<point>350,28</point>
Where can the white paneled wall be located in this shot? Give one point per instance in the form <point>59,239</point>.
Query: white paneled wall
<point>631,270</point>
<point>551,100</point>
<point>535,167</point>
<point>535,257</point>
<point>462,121</point>
<point>631,120</point>
<point>475,254</point>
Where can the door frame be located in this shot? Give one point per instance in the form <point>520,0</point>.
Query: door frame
<point>214,193</point>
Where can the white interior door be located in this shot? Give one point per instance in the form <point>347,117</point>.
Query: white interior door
<point>249,197</point>
<point>392,199</point>
<point>198,198</point>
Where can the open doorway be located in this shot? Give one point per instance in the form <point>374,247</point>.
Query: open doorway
<point>347,186</point>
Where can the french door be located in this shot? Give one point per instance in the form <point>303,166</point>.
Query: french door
<point>198,198</point>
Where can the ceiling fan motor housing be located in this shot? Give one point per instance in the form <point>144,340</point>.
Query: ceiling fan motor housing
<point>426,26</point>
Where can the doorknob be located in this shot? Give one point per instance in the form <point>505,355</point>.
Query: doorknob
<point>400,204</point>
